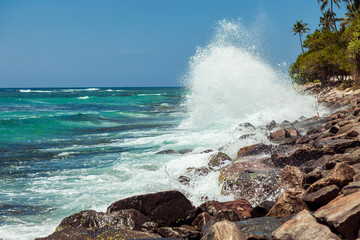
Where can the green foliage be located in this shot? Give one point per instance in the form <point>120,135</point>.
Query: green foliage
<point>353,49</point>
<point>326,57</point>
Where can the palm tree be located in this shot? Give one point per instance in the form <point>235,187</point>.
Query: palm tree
<point>353,8</point>
<point>327,21</point>
<point>300,28</point>
<point>325,3</point>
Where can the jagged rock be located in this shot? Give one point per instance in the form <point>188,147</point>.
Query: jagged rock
<point>338,145</point>
<point>291,177</point>
<point>184,180</point>
<point>179,232</point>
<point>341,175</point>
<point>271,125</point>
<point>207,151</point>
<point>315,129</point>
<point>284,136</point>
<point>241,208</point>
<point>224,230</point>
<point>219,159</point>
<point>313,176</point>
<point>95,234</point>
<point>201,219</point>
<point>262,209</point>
<point>288,203</point>
<point>260,228</point>
<point>350,158</point>
<point>351,130</point>
<point>255,149</point>
<point>334,129</point>
<point>184,151</point>
<point>342,214</point>
<point>351,188</point>
<point>297,155</point>
<point>305,227</point>
<point>170,208</point>
<point>321,197</point>
<point>356,178</point>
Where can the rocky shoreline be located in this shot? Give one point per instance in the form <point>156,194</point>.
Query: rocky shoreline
<point>312,169</point>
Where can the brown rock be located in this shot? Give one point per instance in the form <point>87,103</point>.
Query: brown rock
<point>284,135</point>
<point>201,219</point>
<point>224,230</point>
<point>350,158</point>
<point>338,145</point>
<point>218,160</point>
<point>297,155</point>
<point>262,209</point>
<point>305,227</point>
<point>241,208</point>
<point>341,175</point>
<point>342,214</point>
<point>351,188</point>
<point>290,202</point>
<point>255,149</point>
<point>291,177</point>
<point>170,208</point>
<point>321,197</point>
<point>313,176</point>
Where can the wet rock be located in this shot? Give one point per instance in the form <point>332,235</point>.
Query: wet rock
<point>351,188</point>
<point>94,234</point>
<point>288,203</point>
<point>207,151</point>
<point>315,129</point>
<point>304,226</point>
<point>321,197</point>
<point>262,209</point>
<point>224,230</point>
<point>184,180</point>
<point>179,232</point>
<point>272,125</point>
<point>297,155</point>
<point>342,214</point>
<point>291,177</point>
<point>168,151</point>
<point>255,149</point>
<point>351,130</point>
<point>201,219</point>
<point>219,159</point>
<point>230,215</point>
<point>184,151</point>
<point>256,186</point>
<point>341,175</point>
<point>241,208</point>
<point>303,140</point>
<point>260,228</point>
<point>170,208</point>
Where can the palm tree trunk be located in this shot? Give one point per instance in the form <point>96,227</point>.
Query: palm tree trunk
<point>301,43</point>
<point>333,15</point>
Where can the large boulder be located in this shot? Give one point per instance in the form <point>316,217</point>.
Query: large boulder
<point>284,136</point>
<point>288,203</point>
<point>339,145</point>
<point>124,219</point>
<point>224,230</point>
<point>341,175</point>
<point>342,214</point>
<point>321,197</point>
<point>350,158</point>
<point>305,227</point>
<point>256,149</point>
<point>241,208</point>
<point>170,208</point>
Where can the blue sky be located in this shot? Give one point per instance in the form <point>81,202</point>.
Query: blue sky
<point>124,43</point>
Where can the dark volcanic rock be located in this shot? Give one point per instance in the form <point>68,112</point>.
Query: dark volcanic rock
<point>168,151</point>
<point>170,208</point>
<point>342,214</point>
<point>321,197</point>
<point>261,227</point>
